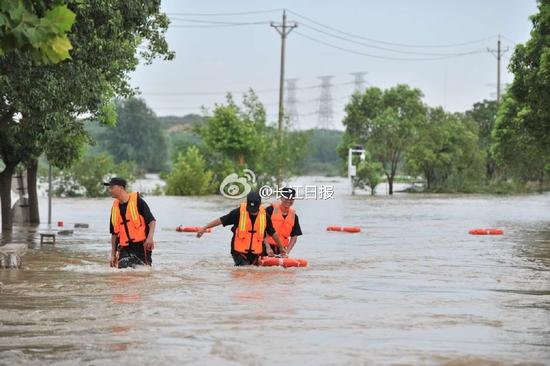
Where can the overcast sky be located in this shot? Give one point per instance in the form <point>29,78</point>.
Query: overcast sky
<point>217,53</point>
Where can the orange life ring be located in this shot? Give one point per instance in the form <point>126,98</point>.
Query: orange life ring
<point>489,231</point>
<point>347,229</point>
<point>190,229</point>
<point>351,229</point>
<point>282,262</point>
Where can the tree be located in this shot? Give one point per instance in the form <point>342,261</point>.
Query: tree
<point>522,129</point>
<point>137,136</point>
<point>87,175</point>
<point>484,115</point>
<point>385,123</point>
<point>521,154</point>
<point>105,37</point>
<point>447,152</point>
<point>240,138</point>
<point>368,175</point>
<point>320,156</point>
<point>32,27</point>
<point>530,65</point>
<point>232,132</point>
<point>179,142</point>
<point>189,175</point>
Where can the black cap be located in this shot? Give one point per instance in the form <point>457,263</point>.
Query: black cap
<point>253,202</point>
<point>116,181</point>
<point>288,193</point>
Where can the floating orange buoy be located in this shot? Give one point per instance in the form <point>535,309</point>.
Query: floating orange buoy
<point>486,232</point>
<point>282,262</point>
<point>190,229</point>
<point>347,229</point>
<point>351,229</point>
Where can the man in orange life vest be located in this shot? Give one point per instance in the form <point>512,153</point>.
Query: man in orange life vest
<point>250,224</point>
<point>132,227</point>
<point>285,222</point>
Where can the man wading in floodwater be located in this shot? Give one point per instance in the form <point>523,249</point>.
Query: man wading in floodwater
<point>285,222</point>
<point>250,224</point>
<point>132,227</point>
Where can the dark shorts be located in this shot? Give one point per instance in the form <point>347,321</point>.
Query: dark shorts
<point>134,255</point>
<point>249,259</point>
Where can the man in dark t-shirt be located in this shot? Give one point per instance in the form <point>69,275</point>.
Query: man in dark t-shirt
<point>133,252</point>
<point>234,218</point>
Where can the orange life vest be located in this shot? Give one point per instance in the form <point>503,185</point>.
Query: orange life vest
<point>250,239</point>
<point>282,225</point>
<point>135,223</point>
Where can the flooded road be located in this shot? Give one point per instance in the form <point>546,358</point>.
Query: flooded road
<point>412,288</point>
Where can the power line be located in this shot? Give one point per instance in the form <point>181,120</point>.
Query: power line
<point>215,21</point>
<point>509,40</point>
<point>384,57</point>
<point>229,14</point>
<point>176,94</point>
<point>272,104</point>
<point>392,43</point>
<point>214,26</point>
<point>379,47</point>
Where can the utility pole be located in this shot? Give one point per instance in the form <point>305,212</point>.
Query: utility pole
<point>49,193</point>
<point>498,54</point>
<point>283,29</point>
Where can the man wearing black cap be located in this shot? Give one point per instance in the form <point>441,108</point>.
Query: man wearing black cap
<point>285,222</point>
<point>132,227</point>
<point>250,225</point>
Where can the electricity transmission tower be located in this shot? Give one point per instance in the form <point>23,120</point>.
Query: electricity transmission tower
<point>291,103</point>
<point>325,112</point>
<point>359,81</point>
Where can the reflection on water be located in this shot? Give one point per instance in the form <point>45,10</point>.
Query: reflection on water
<point>412,288</point>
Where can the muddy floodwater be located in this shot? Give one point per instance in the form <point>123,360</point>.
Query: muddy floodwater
<point>413,288</point>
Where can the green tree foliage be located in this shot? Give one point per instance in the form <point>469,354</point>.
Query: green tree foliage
<point>281,160</point>
<point>522,130</point>
<point>179,142</point>
<point>447,152</point>
<point>188,122</point>
<point>321,155</point>
<point>86,176</point>
<point>182,133</point>
<point>368,174</point>
<point>385,122</point>
<point>484,115</point>
<point>530,65</point>
<point>137,136</point>
<point>34,28</point>
<point>189,175</point>
<point>230,131</point>
<point>38,98</point>
<point>519,152</point>
<point>238,138</point>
